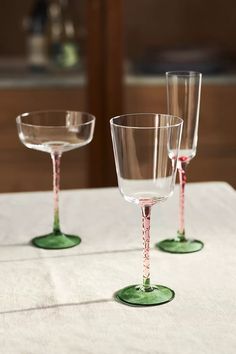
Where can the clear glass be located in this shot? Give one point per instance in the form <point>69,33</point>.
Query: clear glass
<point>146,151</point>
<point>55,132</point>
<point>183,99</point>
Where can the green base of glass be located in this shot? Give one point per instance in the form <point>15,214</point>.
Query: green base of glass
<point>53,241</point>
<point>135,295</point>
<point>180,246</point>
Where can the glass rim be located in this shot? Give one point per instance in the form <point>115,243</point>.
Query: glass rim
<point>183,73</point>
<point>32,113</point>
<point>179,123</point>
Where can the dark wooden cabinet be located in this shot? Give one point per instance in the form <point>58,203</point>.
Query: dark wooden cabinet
<point>106,91</point>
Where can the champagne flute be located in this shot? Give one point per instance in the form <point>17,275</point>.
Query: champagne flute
<point>55,132</point>
<point>146,150</point>
<point>183,100</point>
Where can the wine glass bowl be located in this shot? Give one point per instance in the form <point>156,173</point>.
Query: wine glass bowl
<point>183,100</point>
<point>55,132</point>
<point>141,173</point>
<point>146,151</point>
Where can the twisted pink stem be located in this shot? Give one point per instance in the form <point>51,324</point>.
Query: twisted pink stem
<point>182,180</point>
<point>56,159</point>
<point>146,214</point>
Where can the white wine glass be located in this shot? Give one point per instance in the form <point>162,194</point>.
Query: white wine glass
<point>146,151</point>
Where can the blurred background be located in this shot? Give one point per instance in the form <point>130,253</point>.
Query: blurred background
<point>110,57</point>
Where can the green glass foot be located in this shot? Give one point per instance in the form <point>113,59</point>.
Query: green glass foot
<point>135,295</point>
<point>180,246</point>
<point>52,241</point>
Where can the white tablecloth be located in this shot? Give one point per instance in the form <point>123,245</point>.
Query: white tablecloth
<point>62,301</point>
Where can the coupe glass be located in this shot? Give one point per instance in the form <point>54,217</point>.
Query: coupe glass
<point>146,150</point>
<point>55,132</point>
<point>183,100</point>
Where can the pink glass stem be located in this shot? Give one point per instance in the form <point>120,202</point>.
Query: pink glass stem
<point>182,180</point>
<point>146,214</point>
<point>56,159</point>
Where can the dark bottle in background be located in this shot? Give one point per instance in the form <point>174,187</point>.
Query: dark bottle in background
<point>36,28</point>
<point>63,46</point>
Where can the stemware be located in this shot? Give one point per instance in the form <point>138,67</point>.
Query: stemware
<point>55,132</point>
<point>146,149</point>
<point>183,100</point>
